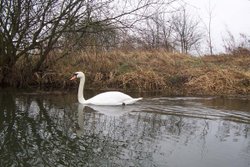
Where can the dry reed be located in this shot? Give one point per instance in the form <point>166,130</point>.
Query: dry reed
<point>146,71</point>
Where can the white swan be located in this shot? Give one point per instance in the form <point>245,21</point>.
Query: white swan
<point>106,98</point>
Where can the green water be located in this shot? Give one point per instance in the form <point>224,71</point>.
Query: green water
<point>43,129</point>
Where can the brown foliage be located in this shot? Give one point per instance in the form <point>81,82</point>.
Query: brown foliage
<point>219,82</point>
<point>172,73</point>
<point>142,80</point>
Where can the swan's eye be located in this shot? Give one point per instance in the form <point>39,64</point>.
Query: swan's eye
<point>75,74</point>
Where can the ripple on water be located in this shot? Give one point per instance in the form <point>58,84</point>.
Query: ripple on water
<point>192,107</point>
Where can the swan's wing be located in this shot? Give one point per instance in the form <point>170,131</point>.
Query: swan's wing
<point>109,98</point>
<point>133,100</point>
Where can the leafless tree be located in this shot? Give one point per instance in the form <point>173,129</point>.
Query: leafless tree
<point>233,45</point>
<point>157,32</point>
<point>209,29</point>
<point>186,30</point>
<point>33,28</point>
<point>229,42</point>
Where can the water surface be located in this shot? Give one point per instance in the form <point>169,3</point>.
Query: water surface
<point>43,129</point>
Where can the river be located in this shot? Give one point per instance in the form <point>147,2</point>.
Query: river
<point>52,129</point>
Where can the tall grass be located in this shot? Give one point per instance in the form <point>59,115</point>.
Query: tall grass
<point>172,73</point>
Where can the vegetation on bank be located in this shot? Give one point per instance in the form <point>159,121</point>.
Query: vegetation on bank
<point>170,73</point>
<point>127,46</point>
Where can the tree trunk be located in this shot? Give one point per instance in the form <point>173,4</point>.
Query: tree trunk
<point>7,72</point>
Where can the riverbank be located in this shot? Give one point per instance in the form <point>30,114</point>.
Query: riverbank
<point>170,73</point>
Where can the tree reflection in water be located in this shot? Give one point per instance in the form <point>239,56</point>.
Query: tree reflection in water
<point>44,131</point>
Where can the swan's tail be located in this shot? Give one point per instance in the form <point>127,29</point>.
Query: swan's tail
<point>131,101</point>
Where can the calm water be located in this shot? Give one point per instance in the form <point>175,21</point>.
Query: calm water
<point>53,130</point>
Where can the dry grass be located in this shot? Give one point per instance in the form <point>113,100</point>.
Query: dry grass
<point>142,80</point>
<point>219,82</point>
<point>174,73</point>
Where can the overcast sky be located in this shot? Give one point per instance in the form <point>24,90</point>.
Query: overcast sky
<point>233,15</point>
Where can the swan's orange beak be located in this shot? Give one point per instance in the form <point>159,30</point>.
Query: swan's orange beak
<point>74,77</point>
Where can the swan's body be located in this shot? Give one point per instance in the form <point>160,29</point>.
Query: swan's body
<point>111,98</point>
<point>106,98</point>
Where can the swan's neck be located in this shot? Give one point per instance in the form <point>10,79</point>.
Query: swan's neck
<point>80,91</point>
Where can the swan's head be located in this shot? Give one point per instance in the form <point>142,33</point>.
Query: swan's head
<point>78,75</point>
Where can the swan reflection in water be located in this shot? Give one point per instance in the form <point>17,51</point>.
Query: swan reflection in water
<point>109,111</point>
